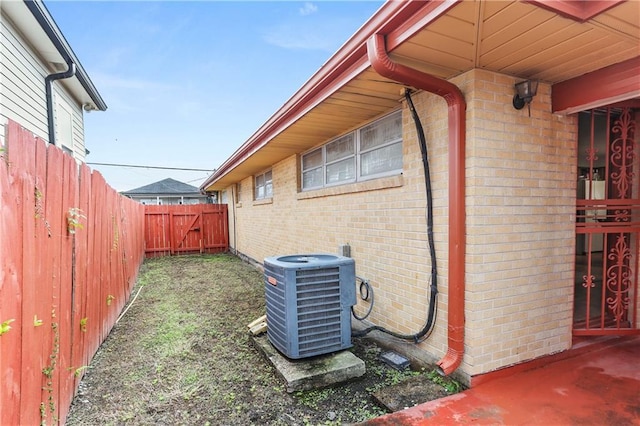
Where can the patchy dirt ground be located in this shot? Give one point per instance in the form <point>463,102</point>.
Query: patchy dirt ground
<point>182,355</point>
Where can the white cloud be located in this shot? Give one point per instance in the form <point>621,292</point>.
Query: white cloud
<point>308,9</point>
<point>299,36</point>
<point>311,29</point>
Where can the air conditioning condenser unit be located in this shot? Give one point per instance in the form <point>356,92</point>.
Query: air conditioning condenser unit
<point>309,299</point>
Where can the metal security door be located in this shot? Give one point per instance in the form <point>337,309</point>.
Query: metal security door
<point>607,223</point>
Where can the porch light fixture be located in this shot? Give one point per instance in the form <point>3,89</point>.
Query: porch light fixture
<point>525,91</point>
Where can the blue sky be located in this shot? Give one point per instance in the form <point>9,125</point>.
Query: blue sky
<point>188,82</point>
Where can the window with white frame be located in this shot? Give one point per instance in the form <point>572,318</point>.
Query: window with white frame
<point>374,150</point>
<point>263,185</point>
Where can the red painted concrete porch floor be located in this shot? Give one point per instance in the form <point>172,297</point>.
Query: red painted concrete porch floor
<point>594,384</point>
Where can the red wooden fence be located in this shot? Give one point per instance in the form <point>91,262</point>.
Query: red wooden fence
<point>182,229</point>
<point>71,248</point>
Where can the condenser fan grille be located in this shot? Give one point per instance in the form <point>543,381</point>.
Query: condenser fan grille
<point>308,305</point>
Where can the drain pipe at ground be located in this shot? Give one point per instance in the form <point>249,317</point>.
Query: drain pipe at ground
<point>383,65</point>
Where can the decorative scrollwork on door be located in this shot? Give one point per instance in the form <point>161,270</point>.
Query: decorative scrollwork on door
<point>622,154</point>
<point>619,279</point>
<point>608,223</point>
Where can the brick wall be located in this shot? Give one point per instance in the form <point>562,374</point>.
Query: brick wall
<point>383,220</point>
<point>521,189</point>
<point>520,225</point>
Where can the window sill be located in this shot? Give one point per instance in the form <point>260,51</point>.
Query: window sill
<point>370,185</point>
<point>263,201</point>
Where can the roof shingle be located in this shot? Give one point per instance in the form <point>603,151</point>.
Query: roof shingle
<point>165,186</point>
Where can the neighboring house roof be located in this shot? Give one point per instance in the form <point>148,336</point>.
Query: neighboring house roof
<point>40,30</point>
<point>555,42</point>
<point>165,187</point>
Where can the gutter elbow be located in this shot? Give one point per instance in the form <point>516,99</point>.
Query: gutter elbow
<point>450,362</point>
<point>455,349</point>
<point>378,57</point>
<point>383,65</point>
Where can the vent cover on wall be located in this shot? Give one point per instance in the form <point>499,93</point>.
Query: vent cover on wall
<point>309,299</point>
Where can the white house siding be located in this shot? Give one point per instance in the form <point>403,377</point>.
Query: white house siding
<point>22,89</point>
<point>22,83</point>
<point>169,199</point>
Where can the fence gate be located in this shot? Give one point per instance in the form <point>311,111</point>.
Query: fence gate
<point>607,223</point>
<point>182,229</point>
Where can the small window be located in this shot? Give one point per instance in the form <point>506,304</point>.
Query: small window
<point>381,146</point>
<point>341,160</point>
<point>263,186</point>
<point>374,150</point>
<point>238,192</point>
<point>312,169</point>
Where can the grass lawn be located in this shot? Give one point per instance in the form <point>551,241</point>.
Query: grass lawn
<point>181,354</point>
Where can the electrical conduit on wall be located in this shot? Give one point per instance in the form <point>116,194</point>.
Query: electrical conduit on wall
<point>383,65</point>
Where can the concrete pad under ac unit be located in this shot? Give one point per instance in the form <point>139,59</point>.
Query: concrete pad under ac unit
<point>311,373</point>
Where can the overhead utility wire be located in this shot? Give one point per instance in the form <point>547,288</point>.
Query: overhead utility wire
<point>150,167</point>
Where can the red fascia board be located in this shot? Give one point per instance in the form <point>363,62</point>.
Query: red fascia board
<point>403,18</point>
<point>578,10</point>
<point>607,85</point>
